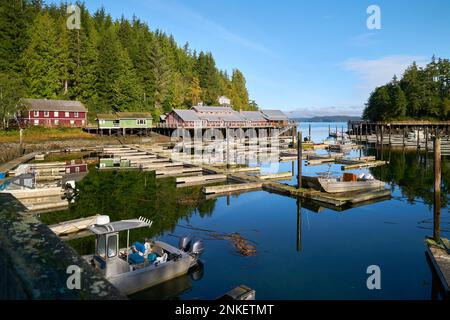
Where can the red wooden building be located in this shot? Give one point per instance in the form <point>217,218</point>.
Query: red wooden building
<point>51,113</point>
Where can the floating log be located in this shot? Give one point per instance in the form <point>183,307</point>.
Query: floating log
<point>232,187</point>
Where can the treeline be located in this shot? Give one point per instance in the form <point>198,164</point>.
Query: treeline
<point>422,93</point>
<point>110,65</point>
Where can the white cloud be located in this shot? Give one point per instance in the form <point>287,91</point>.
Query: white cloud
<point>326,111</point>
<point>377,72</point>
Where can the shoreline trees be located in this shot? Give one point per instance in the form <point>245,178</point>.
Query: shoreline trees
<point>421,93</point>
<point>110,65</point>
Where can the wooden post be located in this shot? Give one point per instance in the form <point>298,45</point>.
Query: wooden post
<point>329,130</point>
<point>390,134</point>
<point>21,140</point>
<point>309,132</point>
<point>418,139</point>
<point>426,140</point>
<point>299,225</point>
<point>404,132</point>
<point>381,135</point>
<point>342,134</point>
<point>228,147</point>
<point>367,139</point>
<point>299,160</point>
<point>437,188</point>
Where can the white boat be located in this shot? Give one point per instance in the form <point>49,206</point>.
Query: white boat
<point>336,185</point>
<point>134,270</point>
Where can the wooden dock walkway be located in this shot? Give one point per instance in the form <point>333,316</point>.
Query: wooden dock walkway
<point>440,259</point>
<point>11,165</point>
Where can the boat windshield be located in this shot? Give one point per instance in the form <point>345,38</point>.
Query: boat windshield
<point>101,246</point>
<point>112,246</point>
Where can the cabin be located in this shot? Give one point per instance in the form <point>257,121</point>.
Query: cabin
<point>124,120</point>
<point>51,113</point>
<point>76,166</point>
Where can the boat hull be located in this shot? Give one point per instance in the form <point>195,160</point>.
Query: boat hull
<point>140,279</point>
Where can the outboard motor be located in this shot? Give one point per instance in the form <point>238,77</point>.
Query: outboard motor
<point>197,248</point>
<point>185,243</point>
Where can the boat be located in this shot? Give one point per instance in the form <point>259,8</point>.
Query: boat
<point>349,183</point>
<point>136,268</point>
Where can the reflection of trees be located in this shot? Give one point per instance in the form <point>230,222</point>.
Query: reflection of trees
<point>130,194</point>
<point>413,172</point>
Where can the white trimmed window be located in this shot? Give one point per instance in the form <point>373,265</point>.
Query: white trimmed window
<point>72,122</point>
<point>76,114</point>
<point>66,114</point>
<point>82,121</point>
<point>141,121</point>
<point>55,113</point>
<point>36,113</point>
<point>36,122</point>
<point>46,114</point>
<point>56,122</point>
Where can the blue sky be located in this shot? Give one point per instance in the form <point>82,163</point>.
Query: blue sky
<point>310,57</point>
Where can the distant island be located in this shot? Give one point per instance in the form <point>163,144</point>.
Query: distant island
<point>328,119</point>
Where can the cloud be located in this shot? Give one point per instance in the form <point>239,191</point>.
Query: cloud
<point>325,111</point>
<point>377,72</point>
<point>180,10</point>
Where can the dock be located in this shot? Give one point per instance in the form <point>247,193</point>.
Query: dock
<point>440,259</point>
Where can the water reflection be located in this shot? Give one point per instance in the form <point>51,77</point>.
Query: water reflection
<point>130,194</point>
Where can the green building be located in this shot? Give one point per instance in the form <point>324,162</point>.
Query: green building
<point>124,120</point>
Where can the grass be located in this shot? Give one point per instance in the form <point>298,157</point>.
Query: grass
<point>37,134</point>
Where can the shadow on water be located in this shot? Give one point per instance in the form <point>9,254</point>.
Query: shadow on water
<point>127,195</point>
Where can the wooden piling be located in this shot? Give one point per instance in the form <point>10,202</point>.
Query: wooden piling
<point>299,225</point>
<point>404,132</point>
<point>299,160</point>
<point>437,188</point>
<point>426,140</point>
<point>309,133</point>
<point>418,138</point>
<point>329,130</point>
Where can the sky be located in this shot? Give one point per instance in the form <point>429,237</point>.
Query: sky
<point>307,58</point>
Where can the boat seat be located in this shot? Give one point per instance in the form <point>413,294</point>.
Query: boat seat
<point>162,259</point>
<point>136,258</point>
<point>139,246</point>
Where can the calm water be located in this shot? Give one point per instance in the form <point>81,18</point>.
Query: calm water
<point>304,251</point>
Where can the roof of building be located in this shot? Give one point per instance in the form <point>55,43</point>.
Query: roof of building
<point>134,115</point>
<point>53,105</point>
<point>124,115</point>
<point>212,109</point>
<point>253,115</point>
<point>274,115</point>
<point>187,115</point>
<point>233,117</point>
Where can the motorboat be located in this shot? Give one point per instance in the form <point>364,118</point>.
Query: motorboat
<point>349,183</point>
<point>139,266</point>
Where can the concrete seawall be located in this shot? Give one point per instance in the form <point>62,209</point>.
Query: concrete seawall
<point>34,261</point>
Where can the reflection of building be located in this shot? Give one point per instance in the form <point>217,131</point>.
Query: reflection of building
<point>124,120</point>
<point>225,116</point>
<point>51,113</point>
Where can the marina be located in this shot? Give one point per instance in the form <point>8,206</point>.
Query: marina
<point>243,190</point>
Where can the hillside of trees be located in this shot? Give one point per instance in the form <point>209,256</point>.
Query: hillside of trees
<point>110,65</point>
<point>422,93</point>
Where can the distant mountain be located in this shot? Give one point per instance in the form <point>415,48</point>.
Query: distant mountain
<point>328,119</point>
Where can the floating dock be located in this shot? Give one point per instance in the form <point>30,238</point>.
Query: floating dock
<point>440,259</point>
